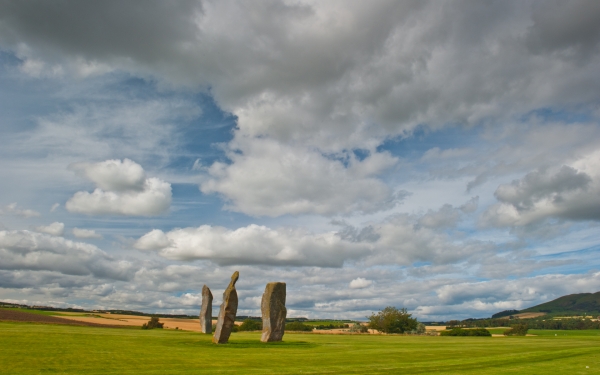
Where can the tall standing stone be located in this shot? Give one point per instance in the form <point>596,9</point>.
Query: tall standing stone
<point>273,312</point>
<point>227,313</point>
<point>206,310</point>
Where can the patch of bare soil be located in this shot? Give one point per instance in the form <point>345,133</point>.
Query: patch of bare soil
<point>529,315</point>
<point>21,316</point>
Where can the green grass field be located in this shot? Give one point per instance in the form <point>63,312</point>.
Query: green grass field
<point>27,348</point>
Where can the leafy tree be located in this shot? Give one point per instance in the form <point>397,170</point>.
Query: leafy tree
<point>392,320</point>
<point>250,325</point>
<point>153,323</point>
<point>517,330</point>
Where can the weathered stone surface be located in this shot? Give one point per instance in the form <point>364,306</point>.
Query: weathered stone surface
<point>206,310</point>
<point>273,312</point>
<point>227,312</point>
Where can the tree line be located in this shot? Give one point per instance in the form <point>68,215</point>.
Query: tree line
<point>532,323</point>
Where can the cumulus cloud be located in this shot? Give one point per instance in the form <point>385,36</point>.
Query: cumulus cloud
<point>114,175</point>
<point>568,192</point>
<point>360,283</point>
<point>24,250</point>
<point>54,229</point>
<point>268,178</point>
<point>86,233</point>
<point>13,209</point>
<point>123,189</point>
<point>253,244</point>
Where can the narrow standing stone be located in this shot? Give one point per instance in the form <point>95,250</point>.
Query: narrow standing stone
<point>273,312</point>
<point>206,311</point>
<point>227,313</point>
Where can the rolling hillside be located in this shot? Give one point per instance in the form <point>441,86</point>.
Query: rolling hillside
<point>588,303</point>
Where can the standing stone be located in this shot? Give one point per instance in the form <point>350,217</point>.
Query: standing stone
<point>227,313</point>
<point>273,312</point>
<point>206,311</point>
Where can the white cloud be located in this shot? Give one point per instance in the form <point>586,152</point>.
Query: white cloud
<point>113,175</point>
<point>13,209</point>
<point>54,207</point>
<point>54,229</point>
<point>252,245</point>
<point>153,240</point>
<point>398,240</point>
<point>86,233</point>
<point>128,192</point>
<point>268,178</point>
<point>360,283</point>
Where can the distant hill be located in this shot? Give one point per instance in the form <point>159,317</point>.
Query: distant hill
<point>572,304</point>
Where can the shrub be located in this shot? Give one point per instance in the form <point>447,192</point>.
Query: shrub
<point>331,326</point>
<point>153,323</point>
<point>251,325</point>
<point>517,330</point>
<point>392,320</point>
<point>359,328</point>
<point>297,326</point>
<point>466,332</point>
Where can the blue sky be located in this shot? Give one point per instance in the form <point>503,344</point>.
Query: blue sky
<point>438,156</point>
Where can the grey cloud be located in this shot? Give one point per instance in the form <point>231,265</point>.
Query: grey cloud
<point>446,217</point>
<point>287,70</point>
<point>24,250</point>
<point>100,30</point>
<point>571,28</point>
<point>542,184</point>
<point>564,193</point>
<point>13,209</point>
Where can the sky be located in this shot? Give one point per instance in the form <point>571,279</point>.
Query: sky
<point>439,156</point>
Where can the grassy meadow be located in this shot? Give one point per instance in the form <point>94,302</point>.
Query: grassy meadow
<point>27,348</point>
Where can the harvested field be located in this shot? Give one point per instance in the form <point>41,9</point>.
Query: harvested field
<point>21,316</point>
<point>137,321</point>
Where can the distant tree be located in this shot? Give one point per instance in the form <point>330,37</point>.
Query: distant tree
<point>297,326</point>
<point>466,332</point>
<point>250,325</point>
<point>392,320</point>
<point>517,330</point>
<point>153,323</point>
